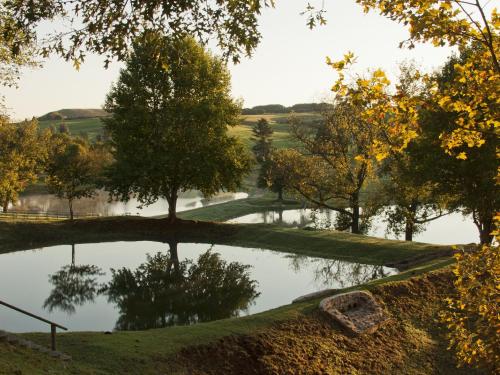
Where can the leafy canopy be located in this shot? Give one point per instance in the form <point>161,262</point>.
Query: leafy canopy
<point>171,109</point>
<point>109,27</point>
<point>22,155</point>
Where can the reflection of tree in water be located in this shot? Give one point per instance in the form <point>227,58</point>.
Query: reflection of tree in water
<point>164,291</point>
<point>338,273</point>
<point>73,286</point>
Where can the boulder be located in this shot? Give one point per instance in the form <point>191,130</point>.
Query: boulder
<point>358,312</point>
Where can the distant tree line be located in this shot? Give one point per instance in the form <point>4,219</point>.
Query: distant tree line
<point>278,108</point>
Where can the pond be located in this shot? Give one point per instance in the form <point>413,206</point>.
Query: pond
<point>450,229</point>
<point>100,205</point>
<point>142,285</point>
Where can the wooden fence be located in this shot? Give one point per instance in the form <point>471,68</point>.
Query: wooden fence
<point>37,215</point>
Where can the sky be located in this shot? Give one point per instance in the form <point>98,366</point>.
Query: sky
<point>288,66</point>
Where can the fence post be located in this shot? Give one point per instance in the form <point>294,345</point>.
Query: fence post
<point>53,336</point>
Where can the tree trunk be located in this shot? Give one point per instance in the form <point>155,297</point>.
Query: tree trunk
<point>280,194</point>
<point>172,206</point>
<point>73,254</point>
<point>355,213</point>
<point>485,229</point>
<point>484,224</point>
<point>410,222</point>
<point>6,203</point>
<point>70,203</point>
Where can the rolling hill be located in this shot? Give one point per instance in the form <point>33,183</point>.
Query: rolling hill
<point>74,114</point>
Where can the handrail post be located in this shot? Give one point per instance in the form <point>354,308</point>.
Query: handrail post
<point>53,336</point>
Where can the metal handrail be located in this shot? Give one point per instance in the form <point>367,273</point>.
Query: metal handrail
<point>53,325</point>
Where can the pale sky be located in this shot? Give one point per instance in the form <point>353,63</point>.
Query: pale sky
<point>288,66</point>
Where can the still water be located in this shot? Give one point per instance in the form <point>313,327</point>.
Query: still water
<point>141,285</point>
<point>100,205</point>
<point>447,230</point>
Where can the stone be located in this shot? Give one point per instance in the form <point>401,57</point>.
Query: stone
<point>358,312</point>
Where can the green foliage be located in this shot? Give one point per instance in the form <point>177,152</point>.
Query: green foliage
<point>16,48</point>
<point>334,162</point>
<point>473,314</point>
<point>93,126</point>
<point>22,154</point>
<point>469,182</point>
<point>109,27</point>
<point>171,109</point>
<point>278,108</point>
<point>262,133</point>
<point>412,200</point>
<point>73,168</point>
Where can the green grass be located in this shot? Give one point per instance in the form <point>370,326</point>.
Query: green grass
<point>281,138</point>
<point>91,126</point>
<point>230,210</point>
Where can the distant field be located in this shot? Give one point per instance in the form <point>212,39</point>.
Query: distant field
<point>281,138</point>
<point>91,126</point>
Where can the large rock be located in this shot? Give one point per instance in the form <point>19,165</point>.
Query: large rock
<point>357,312</point>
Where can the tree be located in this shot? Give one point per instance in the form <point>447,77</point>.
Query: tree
<point>262,133</point>
<point>22,154</point>
<point>109,27</point>
<point>73,169</point>
<point>412,203</point>
<point>472,315</point>
<point>63,128</point>
<point>171,108</point>
<point>470,182</point>
<point>15,51</point>
<point>335,162</point>
<point>272,176</point>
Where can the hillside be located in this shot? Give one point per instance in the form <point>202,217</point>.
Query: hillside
<point>92,126</point>
<point>74,114</point>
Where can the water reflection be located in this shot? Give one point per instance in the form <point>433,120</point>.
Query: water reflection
<point>451,229</point>
<point>164,291</point>
<point>73,285</point>
<point>318,219</point>
<point>334,272</point>
<point>176,287</point>
<point>161,292</point>
<point>101,206</point>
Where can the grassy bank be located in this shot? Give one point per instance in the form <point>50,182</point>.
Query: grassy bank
<point>241,207</point>
<point>326,244</point>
